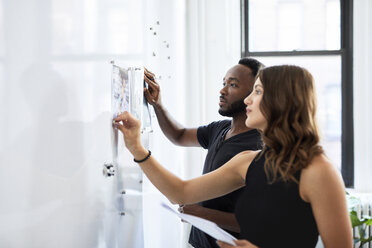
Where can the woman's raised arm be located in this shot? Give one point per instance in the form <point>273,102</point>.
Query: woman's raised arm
<point>227,178</point>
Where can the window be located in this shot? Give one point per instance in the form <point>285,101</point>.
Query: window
<point>315,34</point>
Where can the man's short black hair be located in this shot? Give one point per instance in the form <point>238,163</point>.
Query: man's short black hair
<point>252,63</point>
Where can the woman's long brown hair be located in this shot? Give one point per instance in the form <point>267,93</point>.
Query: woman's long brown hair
<point>289,106</point>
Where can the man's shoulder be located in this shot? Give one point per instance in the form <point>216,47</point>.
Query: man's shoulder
<point>210,132</point>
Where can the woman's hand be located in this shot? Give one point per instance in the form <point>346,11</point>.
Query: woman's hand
<point>130,127</point>
<point>239,243</point>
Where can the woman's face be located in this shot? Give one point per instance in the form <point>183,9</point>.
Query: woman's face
<point>255,118</point>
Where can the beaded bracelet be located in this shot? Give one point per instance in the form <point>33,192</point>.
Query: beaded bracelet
<point>143,160</point>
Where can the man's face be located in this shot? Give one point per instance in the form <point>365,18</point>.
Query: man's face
<point>237,85</point>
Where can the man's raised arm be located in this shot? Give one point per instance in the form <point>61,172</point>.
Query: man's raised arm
<point>174,131</point>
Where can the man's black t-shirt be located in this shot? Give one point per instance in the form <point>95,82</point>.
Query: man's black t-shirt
<point>220,151</point>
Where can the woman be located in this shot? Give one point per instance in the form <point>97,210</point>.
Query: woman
<point>292,192</point>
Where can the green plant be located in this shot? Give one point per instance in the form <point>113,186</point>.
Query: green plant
<point>360,223</point>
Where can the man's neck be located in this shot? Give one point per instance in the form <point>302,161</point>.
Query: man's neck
<point>237,125</point>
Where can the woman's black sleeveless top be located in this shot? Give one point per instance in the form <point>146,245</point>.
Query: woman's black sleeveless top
<point>274,215</point>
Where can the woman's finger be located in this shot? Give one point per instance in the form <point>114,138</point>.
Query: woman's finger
<point>127,120</point>
<point>119,126</point>
<point>122,116</point>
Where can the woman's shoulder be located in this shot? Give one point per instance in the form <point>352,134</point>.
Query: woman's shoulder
<point>319,166</point>
<point>248,155</point>
<point>319,175</point>
<point>242,161</point>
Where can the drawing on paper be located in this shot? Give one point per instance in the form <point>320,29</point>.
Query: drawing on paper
<point>127,94</point>
<point>120,91</point>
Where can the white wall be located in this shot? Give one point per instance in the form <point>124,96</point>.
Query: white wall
<point>55,122</point>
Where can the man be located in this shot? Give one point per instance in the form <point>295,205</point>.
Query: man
<point>223,139</point>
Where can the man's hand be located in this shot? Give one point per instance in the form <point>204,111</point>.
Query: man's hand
<point>192,209</point>
<point>223,219</point>
<point>152,94</point>
<point>238,243</point>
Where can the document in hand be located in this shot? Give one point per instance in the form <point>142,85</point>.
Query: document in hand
<point>205,225</point>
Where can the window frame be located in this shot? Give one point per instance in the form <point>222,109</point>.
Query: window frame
<point>346,53</point>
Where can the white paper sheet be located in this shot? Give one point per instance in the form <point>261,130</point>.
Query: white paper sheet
<point>206,226</point>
